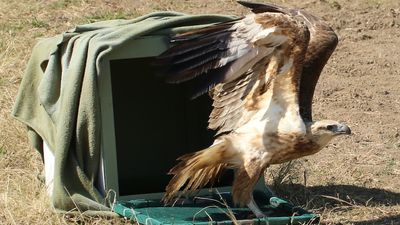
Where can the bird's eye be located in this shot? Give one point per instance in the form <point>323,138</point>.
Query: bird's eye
<point>330,127</point>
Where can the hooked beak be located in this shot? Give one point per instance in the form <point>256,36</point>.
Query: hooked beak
<point>341,129</point>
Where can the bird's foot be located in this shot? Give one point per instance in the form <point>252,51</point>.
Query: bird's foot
<point>259,215</point>
<point>254,208</point>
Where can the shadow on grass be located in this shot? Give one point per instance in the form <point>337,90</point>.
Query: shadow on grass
<point>389,220</point>
<point>342,198</point>
<point>334,195</point>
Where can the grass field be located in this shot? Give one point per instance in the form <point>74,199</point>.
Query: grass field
<point>355,180</point>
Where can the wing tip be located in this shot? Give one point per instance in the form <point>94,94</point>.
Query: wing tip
<point>263,7</point>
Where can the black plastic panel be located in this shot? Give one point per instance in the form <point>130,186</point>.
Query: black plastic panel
<point>155,123</point>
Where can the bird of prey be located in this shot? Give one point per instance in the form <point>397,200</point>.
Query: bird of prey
<point>261,71</point>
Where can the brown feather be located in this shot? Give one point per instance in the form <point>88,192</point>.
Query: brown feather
<point>323,41</point>
<point>195,170</point>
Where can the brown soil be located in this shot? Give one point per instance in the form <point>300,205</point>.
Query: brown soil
<point>355,180</point>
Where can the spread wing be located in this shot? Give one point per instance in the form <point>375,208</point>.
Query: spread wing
<point>323,41</point>
<point>237,62</point>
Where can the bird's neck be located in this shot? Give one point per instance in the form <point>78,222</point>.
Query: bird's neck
<point>307,146</point>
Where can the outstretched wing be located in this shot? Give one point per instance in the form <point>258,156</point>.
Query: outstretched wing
<point>323,41</point>
<point>237,61</point>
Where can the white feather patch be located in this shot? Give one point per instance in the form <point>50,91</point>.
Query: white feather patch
<point>285,68</point>
<point>263,33</point>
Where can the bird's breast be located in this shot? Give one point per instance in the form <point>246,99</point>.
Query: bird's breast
<point>290,147</point>
<point>272,148</point>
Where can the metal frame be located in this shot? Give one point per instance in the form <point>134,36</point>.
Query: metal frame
<point>108,145</point>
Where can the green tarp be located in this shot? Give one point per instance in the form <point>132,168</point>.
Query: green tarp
<point>59,99</point>
<point>216,209</point>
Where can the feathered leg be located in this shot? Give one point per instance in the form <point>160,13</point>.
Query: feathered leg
<point>245,180</point>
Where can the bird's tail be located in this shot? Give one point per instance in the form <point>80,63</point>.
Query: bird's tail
<point>197,169</point>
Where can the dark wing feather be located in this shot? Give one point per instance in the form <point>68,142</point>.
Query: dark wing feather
<point>197,52</point>
<point>323,41</point>
<point>261,8</point>
<point>232,58</point>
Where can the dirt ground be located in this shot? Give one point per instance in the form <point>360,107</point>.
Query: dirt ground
<point>355,180</point>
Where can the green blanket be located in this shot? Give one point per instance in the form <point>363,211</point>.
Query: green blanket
<point>59,99</point>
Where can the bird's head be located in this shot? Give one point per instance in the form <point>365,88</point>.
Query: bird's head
<point>323,131</point>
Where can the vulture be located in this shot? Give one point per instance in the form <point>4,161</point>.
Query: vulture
<point>260,71</point>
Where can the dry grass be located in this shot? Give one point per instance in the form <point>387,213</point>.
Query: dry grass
<point>354,181</point>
